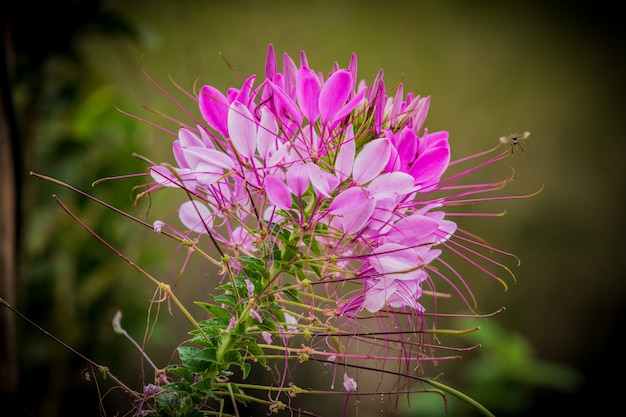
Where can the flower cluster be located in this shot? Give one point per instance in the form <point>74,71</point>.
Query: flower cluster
<point>315,152</point>
<point>325,198</point>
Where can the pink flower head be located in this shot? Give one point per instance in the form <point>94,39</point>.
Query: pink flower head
<point>324,158</point>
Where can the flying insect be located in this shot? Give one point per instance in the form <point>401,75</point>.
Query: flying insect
<point>515,140</point>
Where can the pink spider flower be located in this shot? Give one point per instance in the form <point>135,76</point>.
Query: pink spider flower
<point>311,151</point>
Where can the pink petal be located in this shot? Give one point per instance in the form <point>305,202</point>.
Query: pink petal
<point>345,157</point>
<point>164,176</point>
<point>298,179</point>
<point>270,63</point>
<point>413,230</point>
<point>371,160</point>
<point>379,100</point>
<point>446,230</point>
<point>347,109</point>
<point>396,261</point>
<point>430,166</point>
<point>267,133</point>
<point>407,292</point>
<point>348,201</point>
<point>394,161</point>
<point>277,192</point>
<point>290,69</point>
<point>356,220</point>
<point>391,185</point>
<point>352,67</point>
<point>407,147</point>
<point>421,111</point>
<point>188,138</point>
<point>179,156</point>
<point>208,174</point>
<point>308,92</point>
<point>242,129</point>
<point>204,136</point>
<point>348,383</point>
<point>334,94</point>
<point>376,296</point>
<point>214,108</point>
<point>287,102</point>
<point>196,216</point>
<point>244,96</point>
<point>381,221</point>
<point>278,155</point>
<point>324,182</point>
<point>396,106</point>
<point>433,140</point>
<point>213,157</point>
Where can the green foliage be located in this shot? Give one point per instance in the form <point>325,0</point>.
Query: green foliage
<point>225,341</point>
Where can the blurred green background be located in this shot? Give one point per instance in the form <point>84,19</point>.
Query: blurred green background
<point>492,68</point>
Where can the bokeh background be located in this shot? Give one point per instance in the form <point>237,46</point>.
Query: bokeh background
<point>491,67</point>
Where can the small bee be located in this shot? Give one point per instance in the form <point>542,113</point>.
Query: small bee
<point>515,140</point>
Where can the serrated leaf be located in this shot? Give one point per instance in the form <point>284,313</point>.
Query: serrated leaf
<point>255,270</point>
<point>189,352</point>
<point>210,325</point>
<point>198,360</point>
<point>232,357</point>
<point>205,386</point>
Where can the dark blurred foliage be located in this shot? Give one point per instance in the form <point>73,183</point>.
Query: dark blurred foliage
<point>492,68</point>
<point>68,129</point>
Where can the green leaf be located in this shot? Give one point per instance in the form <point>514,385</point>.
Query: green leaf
<point>205,386</point>
<point>277,311</point>
<point>216,323</point>
<point>182,372</point>
<point>245,370</point>
<point>226,287</point>
<point>189,352</point>
<point>255,350</point>
<point>268,324</point>
<point>227,299</point>
<point>200,338</point>
<point>292,294</point>
<point>315,268</point>
<point>179,386</point>
<point>289,250</point>
<point>255,269</point>
<point>169,400</point>
<point>232,357</point>
<point>198,360</point>
<point>215,310</point>
<point>313,245</point>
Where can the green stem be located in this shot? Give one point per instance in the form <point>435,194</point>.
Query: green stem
<point>458,394</point>
<point>186,313</point>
